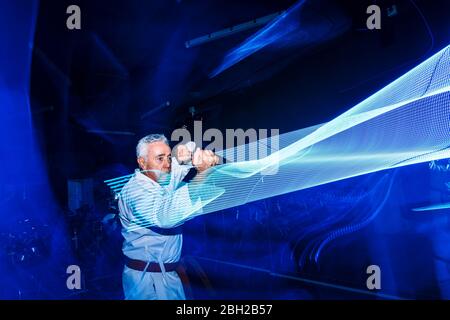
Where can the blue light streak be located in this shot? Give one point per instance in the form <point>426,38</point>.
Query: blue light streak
<point>405,123</point>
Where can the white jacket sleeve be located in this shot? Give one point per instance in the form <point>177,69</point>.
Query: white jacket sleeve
<point>160,207</point>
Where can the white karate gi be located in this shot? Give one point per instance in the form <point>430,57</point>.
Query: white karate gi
<point>143,198</point>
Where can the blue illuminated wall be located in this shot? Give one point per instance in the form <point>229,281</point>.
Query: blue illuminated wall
<point>33,242</point>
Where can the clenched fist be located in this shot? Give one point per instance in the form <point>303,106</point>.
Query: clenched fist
<point>183,154</point>
<point>204,159</point>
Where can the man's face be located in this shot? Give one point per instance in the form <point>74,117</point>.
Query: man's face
<point>158,159</point>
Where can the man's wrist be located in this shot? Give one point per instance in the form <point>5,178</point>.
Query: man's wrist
<point>192,173</point>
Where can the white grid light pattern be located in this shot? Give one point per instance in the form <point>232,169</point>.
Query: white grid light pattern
<point>405,123</point>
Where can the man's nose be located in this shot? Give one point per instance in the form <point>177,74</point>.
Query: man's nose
<point>166,163</point>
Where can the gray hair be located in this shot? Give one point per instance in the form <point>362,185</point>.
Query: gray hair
<point>141,148</point>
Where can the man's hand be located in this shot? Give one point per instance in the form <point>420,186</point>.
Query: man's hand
<point>204,159</point>
<point>183,154</point>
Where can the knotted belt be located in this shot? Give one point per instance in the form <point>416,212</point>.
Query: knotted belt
<point>140,265</point>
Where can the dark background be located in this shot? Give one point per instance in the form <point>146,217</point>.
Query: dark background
<point>89,90</point>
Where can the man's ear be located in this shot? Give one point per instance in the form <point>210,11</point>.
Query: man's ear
<point>141,163</point>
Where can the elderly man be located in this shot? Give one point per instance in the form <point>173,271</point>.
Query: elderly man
<point>153,204</point>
